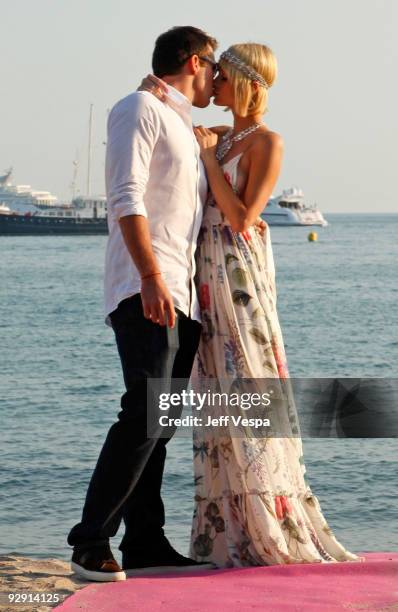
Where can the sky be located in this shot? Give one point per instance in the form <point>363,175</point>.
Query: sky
<point>334,101</point>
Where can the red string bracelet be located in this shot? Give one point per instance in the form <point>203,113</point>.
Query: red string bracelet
<point>149,275</point>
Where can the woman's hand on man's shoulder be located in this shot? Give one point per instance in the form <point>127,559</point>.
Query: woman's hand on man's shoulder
<point>220,130</point>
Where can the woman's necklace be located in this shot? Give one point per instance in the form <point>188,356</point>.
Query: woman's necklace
<point>227,141</point>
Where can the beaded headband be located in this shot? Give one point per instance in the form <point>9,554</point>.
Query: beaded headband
<point>229,57</point>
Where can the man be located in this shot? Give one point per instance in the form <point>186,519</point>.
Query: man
<point>156,188</point>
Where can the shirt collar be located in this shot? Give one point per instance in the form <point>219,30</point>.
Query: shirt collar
<point>177,100</point>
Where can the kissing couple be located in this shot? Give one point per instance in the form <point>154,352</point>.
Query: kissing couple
<point>187,256</point>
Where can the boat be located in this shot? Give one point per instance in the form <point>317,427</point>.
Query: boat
<point>23,197</point>
<point>289,209</point>
<point>25,211</point>
<point>65,222</point>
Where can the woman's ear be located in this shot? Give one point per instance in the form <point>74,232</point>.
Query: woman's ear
<point>253,101</point>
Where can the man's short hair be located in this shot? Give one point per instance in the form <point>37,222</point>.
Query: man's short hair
<point>174,47</point>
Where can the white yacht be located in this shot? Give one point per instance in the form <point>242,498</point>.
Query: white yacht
<point>290,209</point>
<point>24,211</point>
<point>22,198</point>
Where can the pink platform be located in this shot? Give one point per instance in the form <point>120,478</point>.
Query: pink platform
<point>371,585</point>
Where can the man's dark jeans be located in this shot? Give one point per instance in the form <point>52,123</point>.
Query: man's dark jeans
<point>127,479</point>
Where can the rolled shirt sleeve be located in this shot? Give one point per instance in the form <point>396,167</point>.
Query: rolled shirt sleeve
<point>132,134</point>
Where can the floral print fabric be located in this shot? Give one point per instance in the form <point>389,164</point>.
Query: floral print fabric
<point>252,503</point>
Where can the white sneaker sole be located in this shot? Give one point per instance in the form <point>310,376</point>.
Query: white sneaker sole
<point>97,576</point>
<point>169,569</point>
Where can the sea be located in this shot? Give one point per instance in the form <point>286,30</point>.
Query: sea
<point>61,380</point>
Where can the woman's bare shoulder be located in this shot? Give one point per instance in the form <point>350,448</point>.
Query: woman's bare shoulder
<point>268,138</point>
<point>264,144</point>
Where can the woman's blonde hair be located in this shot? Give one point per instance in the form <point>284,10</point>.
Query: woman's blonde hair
<point>262,59</point>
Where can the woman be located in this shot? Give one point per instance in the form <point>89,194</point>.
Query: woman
<point>252,504</point>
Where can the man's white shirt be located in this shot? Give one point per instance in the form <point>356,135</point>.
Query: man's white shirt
<point>153,168</point>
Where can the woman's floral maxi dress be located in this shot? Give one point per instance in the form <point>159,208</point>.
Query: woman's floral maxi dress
<point>252,503</point>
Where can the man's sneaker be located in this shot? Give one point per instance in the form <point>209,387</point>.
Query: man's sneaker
<point>97,563</point>
<point>161,561</point>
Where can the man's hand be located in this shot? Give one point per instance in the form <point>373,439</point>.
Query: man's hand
<point>157,302</point>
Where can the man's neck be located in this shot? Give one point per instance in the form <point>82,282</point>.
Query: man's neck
<point>182,84</point>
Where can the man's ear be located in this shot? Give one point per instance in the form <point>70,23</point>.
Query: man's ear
<point>193,64</point>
